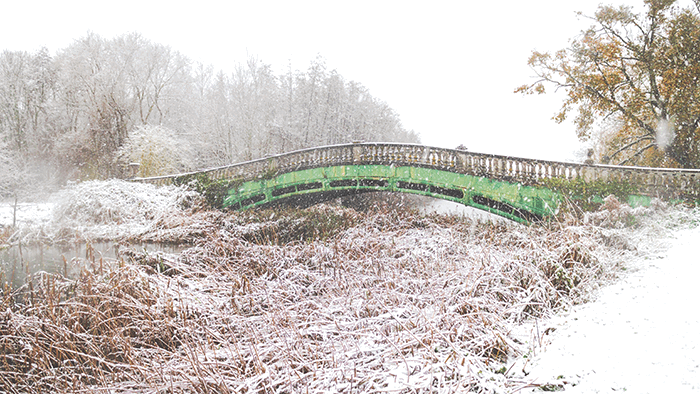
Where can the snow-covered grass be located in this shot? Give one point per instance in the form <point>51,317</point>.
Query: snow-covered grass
<point>326,299</point>
<point>117,210</point>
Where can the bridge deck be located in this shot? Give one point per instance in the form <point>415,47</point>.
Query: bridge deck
<point>509,186</point>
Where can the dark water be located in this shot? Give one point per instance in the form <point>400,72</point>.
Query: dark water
<point>18,263</point>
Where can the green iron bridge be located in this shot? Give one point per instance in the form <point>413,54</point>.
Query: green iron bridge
<point>511,187</point>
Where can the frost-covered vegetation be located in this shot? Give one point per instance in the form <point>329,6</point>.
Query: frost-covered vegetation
<point>98,105</point>
<point>327,299</point>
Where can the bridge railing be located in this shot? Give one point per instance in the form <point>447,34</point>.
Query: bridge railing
<point>659,182</point>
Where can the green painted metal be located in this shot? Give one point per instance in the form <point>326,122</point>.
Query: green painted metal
<point>638,201</point>
<point>511,200</point>
<point>512,187</point>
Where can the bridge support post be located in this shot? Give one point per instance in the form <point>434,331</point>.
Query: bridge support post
<point>272,165</point>
<point>356,154</point>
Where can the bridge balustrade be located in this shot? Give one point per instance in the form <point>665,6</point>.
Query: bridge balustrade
<point>651,181</point>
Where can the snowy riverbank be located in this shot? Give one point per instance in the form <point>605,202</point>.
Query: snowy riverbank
<point>331,299</point>
<point>639,336</point>
<point>27,214</point>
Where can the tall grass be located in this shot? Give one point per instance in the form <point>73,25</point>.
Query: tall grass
<point>321,300</point>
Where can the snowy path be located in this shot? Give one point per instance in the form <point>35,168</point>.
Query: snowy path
<point>642,335</point>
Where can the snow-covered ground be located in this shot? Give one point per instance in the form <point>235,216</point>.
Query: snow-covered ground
<point>27,213</point>
<point>642,334</point>
<point>445,207</point>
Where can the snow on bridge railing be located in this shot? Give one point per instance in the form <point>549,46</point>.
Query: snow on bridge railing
<point>656,182</point>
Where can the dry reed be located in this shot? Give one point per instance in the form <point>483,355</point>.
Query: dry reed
<point>321,300</point>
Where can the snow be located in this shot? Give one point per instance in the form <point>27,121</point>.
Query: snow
<point>28,214</point>
<point>640,336</point>
<point>445,207</point>
<point>101,209</point>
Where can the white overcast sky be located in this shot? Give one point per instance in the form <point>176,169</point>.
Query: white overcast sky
<point>448,68</point>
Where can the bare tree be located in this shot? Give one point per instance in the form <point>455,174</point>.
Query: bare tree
<point>89,107</point>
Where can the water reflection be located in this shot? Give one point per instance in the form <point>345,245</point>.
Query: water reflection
<point>19,262</point>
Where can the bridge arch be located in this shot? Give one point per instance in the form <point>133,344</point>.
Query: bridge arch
<point>313,185</point>
<point>512,187</point>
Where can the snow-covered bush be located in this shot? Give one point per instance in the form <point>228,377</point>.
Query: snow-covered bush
<point>115,209</point>
<point>157,150</point>
<point>614,214</point>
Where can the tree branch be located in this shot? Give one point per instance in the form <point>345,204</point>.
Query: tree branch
<point>620,108</point>
<point>639,152</point>
<point>631,144</point>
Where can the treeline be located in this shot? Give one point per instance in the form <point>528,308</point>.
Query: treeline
<point>98,105</point>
